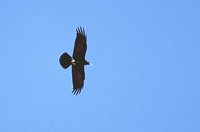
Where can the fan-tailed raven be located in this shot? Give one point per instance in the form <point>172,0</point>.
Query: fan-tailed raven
<point>77,60</point>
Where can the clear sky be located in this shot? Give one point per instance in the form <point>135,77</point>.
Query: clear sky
<point>145,75</point>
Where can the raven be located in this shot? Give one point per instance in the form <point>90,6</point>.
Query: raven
<point>77,61</point>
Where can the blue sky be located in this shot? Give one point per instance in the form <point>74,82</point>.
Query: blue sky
<point>145,75</point>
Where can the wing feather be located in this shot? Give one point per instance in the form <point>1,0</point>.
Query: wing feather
<point>78,77</point>
<point>80,46</point>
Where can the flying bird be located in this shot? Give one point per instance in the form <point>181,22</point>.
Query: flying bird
<point>77,61</point>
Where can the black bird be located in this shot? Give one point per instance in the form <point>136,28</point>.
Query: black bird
<point>77,61</point>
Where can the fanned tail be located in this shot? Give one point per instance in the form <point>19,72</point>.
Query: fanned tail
<point>65,60</point>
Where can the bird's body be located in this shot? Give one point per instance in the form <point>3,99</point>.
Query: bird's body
<point>77,61</point>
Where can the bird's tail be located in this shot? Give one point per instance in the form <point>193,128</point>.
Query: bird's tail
<point>65,60</point>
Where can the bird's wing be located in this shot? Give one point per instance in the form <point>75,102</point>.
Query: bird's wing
<point>78,77</point>
<point>80,46</point>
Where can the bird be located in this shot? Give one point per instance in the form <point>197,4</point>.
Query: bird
<point>77,61</point>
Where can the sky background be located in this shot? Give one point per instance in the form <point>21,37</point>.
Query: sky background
<point>145,75</point>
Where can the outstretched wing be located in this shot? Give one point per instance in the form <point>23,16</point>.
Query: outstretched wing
<point>80,46</point>
<point>78,77</point>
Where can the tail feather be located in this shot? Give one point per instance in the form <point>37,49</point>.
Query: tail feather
<point>65,60</point>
